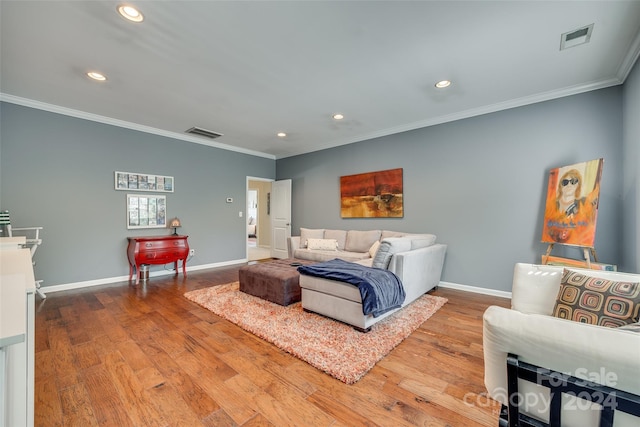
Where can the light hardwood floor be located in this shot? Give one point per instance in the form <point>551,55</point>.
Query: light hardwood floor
<point>124,355</point>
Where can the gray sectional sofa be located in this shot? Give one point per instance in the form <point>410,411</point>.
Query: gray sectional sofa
<point>415,258</point>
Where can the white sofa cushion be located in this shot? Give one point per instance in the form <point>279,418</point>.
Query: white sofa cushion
<point>317,255</point>
<point>310,233</point>
<point>388,233</point>
<point>361,241</point>
<point>339,235</point>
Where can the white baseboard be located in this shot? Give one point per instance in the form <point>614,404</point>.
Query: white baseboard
<point>109,280</point>
<point>474,289</point>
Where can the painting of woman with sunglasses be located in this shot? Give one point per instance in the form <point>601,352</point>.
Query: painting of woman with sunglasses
<point>572,204</point>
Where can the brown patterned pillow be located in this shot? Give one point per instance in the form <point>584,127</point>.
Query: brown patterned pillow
<point>597,301</point>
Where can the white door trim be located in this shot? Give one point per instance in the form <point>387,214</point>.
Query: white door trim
<point>246,197</point>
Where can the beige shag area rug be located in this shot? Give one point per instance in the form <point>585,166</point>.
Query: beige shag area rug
<point>328,345</point>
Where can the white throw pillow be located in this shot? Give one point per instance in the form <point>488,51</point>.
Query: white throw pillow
<point>374,248</point>
<point>322,244</point>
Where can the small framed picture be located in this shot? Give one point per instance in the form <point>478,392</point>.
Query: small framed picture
<point>143,182</point>
<point>146,211</point>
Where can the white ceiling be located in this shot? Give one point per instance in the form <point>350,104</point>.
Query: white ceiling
<point>251,69</point>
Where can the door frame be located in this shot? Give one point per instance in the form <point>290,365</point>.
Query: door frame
<point>246,198</point>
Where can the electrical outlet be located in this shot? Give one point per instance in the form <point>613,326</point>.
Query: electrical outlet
<point>192,252</point>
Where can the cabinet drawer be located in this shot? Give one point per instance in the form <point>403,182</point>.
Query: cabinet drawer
<point>162,244</point>
<point>161,256</point>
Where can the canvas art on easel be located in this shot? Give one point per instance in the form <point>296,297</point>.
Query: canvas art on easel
<point>571,210</point>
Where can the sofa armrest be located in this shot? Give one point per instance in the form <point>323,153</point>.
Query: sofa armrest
<point>603,355</point>
<point>419,269</point>
<point>293,243</point>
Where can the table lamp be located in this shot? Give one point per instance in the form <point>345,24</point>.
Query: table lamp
<point>175,223</point>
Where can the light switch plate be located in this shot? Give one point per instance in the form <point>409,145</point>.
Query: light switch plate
<point>229,199</point>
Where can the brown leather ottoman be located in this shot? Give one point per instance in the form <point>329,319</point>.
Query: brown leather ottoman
<point>275,281</point>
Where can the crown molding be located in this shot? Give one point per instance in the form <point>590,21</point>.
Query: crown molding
<point>124,124</point>
<point>630,59</point>
<point>473,112</point>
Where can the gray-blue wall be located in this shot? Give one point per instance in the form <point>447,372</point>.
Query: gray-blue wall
<point>631,170</point>
<point>479,184</point>
<point>58,172</point>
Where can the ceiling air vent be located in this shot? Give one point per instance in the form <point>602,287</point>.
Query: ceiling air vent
<point>576,37</point>
<point>204,132</point>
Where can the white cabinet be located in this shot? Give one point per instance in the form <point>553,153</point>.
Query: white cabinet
<point>17,336</point>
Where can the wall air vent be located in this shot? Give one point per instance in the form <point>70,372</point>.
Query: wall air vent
<point>204,132</point>
<point>576,37</point>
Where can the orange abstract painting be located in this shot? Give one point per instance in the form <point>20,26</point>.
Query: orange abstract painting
<point>372,195</point>
<point>572,204</point>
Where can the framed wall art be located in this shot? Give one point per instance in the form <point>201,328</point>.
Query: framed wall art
<point>145,211</point>
<point>571,210</point>
<point>372,195</point>
<point>143,182</point>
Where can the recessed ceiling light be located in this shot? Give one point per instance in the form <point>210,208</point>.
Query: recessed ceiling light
<point>282,134</point>
<point>338,116</point>
<point>443,83</point>
<point>96,76</point>
<point>130,13</point>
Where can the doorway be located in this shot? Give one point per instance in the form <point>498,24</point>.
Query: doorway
<point>258,219</point>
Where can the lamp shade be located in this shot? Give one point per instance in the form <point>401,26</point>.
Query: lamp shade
<point>174,223</point>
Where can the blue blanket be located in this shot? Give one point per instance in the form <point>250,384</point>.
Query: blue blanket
<point>380,290</point>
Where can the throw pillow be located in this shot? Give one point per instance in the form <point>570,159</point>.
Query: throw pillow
<point>588,299</point>
<point>389,247</point>
<point>322,244</point>
<point>374,248</point>
<point>309,233</point>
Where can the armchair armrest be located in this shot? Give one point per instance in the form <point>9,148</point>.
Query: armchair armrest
<point>31,233</point>
<point>606,356</point>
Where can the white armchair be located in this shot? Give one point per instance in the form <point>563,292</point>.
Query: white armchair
<point>562,349</point>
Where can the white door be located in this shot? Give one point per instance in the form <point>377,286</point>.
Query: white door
<point>280,217</point>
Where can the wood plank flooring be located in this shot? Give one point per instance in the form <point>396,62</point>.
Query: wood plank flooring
<point>125,355</point>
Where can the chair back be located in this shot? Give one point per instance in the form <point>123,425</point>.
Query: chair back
<point>5,224</point>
